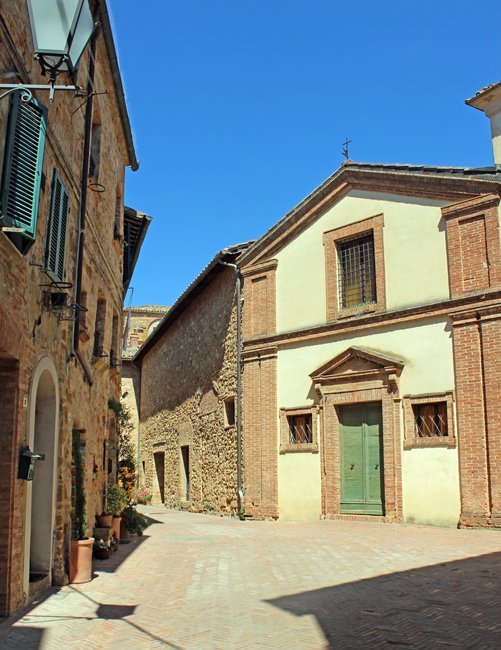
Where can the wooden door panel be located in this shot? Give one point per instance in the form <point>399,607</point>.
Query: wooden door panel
<point>361,459</point>
<point>352,461</point>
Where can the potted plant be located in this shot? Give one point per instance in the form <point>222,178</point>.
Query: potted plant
<point>102,549</point>
<point>143,497</point>
<point>81,547</point>
<point>116,498</point>
<point>134,522</point>
<point>104,520</point>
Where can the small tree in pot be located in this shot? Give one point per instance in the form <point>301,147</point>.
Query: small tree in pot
<point>81,546</point>
<point>117,500</point>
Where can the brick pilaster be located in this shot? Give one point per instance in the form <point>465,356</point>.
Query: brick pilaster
<point>490,328</point>
<point>477,360</point>
<point>260,433</point>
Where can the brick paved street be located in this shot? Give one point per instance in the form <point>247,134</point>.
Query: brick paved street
<point>196,581</point>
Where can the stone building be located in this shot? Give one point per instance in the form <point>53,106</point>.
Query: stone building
<point>62,282</point>
<point>188,441</point>
<point>139,324</point>
<point>371,357</point>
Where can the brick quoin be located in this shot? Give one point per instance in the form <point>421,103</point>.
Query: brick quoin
<point>474,257</point>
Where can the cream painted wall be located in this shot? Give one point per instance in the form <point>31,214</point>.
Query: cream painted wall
<point>299,489</point>
<point>426,350</point>
<point>414,250</point>
<point>430,476</point>
<point>431,486</point>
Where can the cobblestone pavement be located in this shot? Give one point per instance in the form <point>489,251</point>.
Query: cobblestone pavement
<point>197,581</point>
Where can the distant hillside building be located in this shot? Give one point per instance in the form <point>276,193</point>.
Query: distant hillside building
<point>139,323</point>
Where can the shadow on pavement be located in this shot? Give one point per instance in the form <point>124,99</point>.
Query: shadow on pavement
<point>111,564</point>
<point>457,604</point>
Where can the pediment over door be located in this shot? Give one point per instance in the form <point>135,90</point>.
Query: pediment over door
<point>358,363</point>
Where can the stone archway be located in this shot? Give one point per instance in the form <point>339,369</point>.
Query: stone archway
<point>41,494</point>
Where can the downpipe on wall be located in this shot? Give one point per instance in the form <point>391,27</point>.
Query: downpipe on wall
<point>75,352</point>
<point>238,283</point>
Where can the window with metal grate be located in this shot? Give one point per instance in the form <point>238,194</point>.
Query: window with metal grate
<point>430,420</point>
<point>300,429</point>
<point>22,170</point>
<point>56,238</point>
<point>357,272</point>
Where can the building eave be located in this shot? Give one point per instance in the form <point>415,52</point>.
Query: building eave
<point>446,183</point>
<point>118,84</point>
<point>230,254</point>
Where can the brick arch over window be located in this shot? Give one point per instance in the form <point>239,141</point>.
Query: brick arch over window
<point>356,376</point>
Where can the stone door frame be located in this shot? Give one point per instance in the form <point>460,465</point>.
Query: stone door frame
<point>45,371</point>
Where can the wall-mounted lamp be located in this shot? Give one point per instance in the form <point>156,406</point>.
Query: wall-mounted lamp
<point>61,30</point>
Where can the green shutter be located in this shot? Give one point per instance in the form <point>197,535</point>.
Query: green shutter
<point>56,239</point>
<point>22,169</point>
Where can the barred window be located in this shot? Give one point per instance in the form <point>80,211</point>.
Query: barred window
<point>357,273</point>
<point>430,420</point>
<point>300,429</point>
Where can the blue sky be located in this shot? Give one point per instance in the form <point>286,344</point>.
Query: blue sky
<point>239,108</point>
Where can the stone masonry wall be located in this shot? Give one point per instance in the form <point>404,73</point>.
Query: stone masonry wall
<point>185,379</point>
<point>29,334</point>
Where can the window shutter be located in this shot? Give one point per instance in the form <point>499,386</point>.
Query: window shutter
<point>22,171</point>
<point>56,240</point>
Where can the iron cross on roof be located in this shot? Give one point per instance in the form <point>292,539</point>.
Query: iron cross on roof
<point>345,148</point>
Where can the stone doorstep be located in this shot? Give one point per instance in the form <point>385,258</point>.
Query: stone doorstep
<point>38,587</point>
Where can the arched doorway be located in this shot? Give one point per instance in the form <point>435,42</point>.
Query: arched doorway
<point>41,495</point>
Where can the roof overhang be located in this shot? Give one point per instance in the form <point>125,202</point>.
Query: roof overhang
<point>228,255</point>
<point>117,83</point>
<point>487,99</point>
<point>136,226</point>
<point>446,184</point>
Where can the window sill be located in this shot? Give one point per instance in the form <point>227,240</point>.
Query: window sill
<point>419,443</point>
<point>308,447</point>
<point>359,310</point>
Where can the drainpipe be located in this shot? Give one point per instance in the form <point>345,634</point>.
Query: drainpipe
<point>83,202</point>
<point>238,282</point>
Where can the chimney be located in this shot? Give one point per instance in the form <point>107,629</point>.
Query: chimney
<point>488,100</point>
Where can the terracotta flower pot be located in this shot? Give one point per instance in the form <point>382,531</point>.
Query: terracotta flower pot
<point>124,531</point>
<point>81,560</point>
<point>104,521</point>
<point>116,527</point>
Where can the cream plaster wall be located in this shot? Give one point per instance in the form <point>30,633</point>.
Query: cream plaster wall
<point>431,486</point>
<point>299,488</point>
<point>430,477</point>
<point>414,247</point>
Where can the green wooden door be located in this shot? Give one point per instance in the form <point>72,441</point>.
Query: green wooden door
<point>361,459</point>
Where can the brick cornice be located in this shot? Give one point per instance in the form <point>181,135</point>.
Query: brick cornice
<point>262,267</point>
<point>447,308</point>
<point>476,204</point>
<point>344,180</point>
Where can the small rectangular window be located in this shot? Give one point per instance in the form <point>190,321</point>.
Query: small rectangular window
<point>99,328</point>
<point>300,429</point>
<point>430,420</point>
<point>357,272</point>
<point>95,152</point>
<point>185,477</point>
<point>229,411</point>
